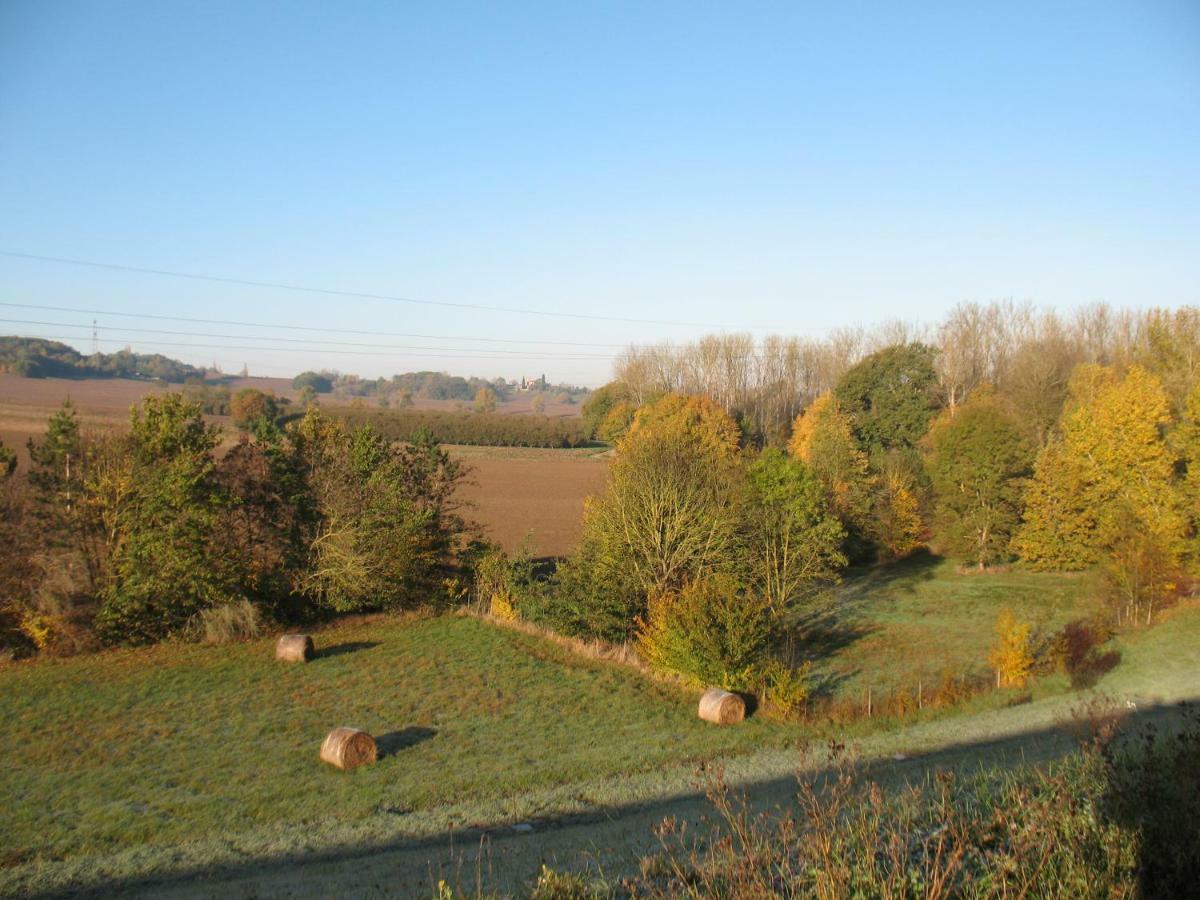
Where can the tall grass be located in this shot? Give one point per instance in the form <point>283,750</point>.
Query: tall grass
<point>227,623</point>
<point>1118,818</point>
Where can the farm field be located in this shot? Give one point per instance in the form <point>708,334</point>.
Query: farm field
<point>530,494</point>
<point>181,760</point>
<point>515,493</point>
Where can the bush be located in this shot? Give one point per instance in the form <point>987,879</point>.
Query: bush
<point>781,688</point>
<point>1115,819</point>
<point>711,632</point>
<point>1012,655</point>
<point>227,623</point>
<point>1076,651</point>
<point>507,588</point>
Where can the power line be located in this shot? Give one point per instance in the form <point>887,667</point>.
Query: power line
<point>362,295</point>
<point>330,346</point>
<point>311,328</point>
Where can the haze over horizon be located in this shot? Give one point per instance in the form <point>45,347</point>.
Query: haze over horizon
<point>790,170</point>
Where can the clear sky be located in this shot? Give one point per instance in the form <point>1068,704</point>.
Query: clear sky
<point>784,168</point>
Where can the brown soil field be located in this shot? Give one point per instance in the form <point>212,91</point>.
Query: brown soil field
<point>514,493</point>
<point>525,493</point>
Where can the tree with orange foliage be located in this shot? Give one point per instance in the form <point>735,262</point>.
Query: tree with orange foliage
<point>700,420</point>
<point>822,438</point>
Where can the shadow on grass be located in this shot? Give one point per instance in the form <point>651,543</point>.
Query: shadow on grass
<point>404,857</point>
<point>347,647</point>
<point>394,741</point>
<point>903,574</point>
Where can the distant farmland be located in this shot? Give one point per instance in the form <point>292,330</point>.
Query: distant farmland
<point>514,492</point>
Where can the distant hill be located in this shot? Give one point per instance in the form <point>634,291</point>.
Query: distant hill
<point>38,358</point>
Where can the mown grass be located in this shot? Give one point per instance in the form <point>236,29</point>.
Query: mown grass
<point>170,743</point>
<point>922,619</point>
<point>135,761</point>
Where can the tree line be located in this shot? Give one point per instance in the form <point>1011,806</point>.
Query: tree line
<point>486,428</point>
<point>1068,449</point>
<point>39,358</point>
<point>1024,353</point>
<point>129,538</point>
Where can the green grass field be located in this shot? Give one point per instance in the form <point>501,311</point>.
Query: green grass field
<point>140,763</point>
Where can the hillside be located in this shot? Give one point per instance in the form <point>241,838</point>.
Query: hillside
<point>206,757</point>
<point>38,358</point>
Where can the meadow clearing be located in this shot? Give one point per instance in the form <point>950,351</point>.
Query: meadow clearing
<point>153,767</point>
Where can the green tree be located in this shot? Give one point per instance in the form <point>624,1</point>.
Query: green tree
<point>320,382</point>
<point>599,403</point>
<point>669,512</point>
<point>978,463</point>
<point>822,439</point>
<point>263,519</point>
<point>793,544</point>
<point>167,564</point>
<point>368,546</point>
<point>890,397</point>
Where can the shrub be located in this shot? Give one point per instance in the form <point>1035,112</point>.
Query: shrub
<point>227,623</point>
<point>711,632</point>
<point>505,587</point>
<point>585,600</point>
<point>1011,655</point>
<point>781,688</point>
<point>1075,650</point>
<point>1115,819</point>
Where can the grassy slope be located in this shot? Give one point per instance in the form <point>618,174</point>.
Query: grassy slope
<point>920,618</point>
<point>144,761</point>
<point>172,743</point>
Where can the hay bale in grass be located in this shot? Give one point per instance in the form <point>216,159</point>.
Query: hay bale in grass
<point>348,748</point>
<point>722,707</point>
<point>294,648</point>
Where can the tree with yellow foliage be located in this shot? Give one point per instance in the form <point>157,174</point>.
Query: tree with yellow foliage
<point>823,439</point>
<point>1012,654</point>
<point>1111,461</point>
<point>897,526</point>
<point>700,420</point>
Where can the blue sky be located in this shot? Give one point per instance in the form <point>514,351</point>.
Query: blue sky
<point>767,167</point>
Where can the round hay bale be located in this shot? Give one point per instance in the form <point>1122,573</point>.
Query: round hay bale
<point>294,648</point>
<point>348,748</point>
<point>722,707</point>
